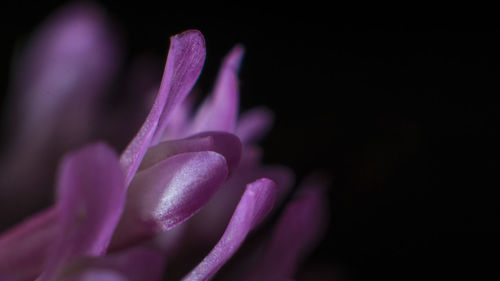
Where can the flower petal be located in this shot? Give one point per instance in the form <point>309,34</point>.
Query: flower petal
<point>220,111</point>
<point>299,228</point>
<point>254,205</point>
<point>23,249</point>
<point>184,62</point>
<point>91,196</point>
<point>254,124</point>
<point>136,264</point>
<point>224,143</point>
<point>168,193</point>
<point>59,80</point>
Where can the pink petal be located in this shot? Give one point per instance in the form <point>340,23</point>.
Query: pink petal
<point>299,228</point>
<point>254,124</point>
<point>67,62</point>
<point>59,80</point>
<point>220,111</point>
<point>223,143</point>
<point>91,196</point>
<point>23,249</point>
<point>169,193</point>
<point>254,205</point>
<point>184,62</point>
<point>135,264</point>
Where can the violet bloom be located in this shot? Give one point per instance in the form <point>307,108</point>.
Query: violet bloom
<point>183,182</point>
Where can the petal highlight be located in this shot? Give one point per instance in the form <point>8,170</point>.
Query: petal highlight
<point>168,193</point>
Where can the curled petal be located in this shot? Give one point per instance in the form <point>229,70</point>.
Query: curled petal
<point>226,144</point>
<point>254,205</point>
<point>184,62</point>
<point>168,193</point>
<point>299,228</point>
<point>134,264</point>
<point>220,111</point>
<point>254,124</point>
<point>91,196</point>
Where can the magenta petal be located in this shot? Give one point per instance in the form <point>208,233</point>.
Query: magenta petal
<point>220,111</point>
<point>168,193</point>
<point>91,196</point>
<point>184,62</point>
<point>23,249</point>
<point>254,124</point>
<point>134,264</point>
<point>254,205</point>
<point>223,143</point>
<point>67,64</point>
<point>299,228</point>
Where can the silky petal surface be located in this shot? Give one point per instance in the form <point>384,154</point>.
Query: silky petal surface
<point>184,63</point>
<point>254,205</point>
<point>299,228</point>
<point>220,111</point>
<point>24,248</point>
<point>136,264</point>
<point>90,200</point>
<point>254,124</point>
<point>223,143</point>
<point>168,193</point>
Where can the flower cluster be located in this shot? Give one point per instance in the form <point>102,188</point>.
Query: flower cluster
<point>186,182</point>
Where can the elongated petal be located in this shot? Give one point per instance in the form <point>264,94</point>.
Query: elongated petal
<point>184,62</point>
<point>134,264</point>
<point>254,205</point>
<point>91,197</point>
<point>24,248</point>
<point>223,143</point>
<point>220,111</point>
<point>168,193</point>
<point>254,124</point>
<point>299,228</point>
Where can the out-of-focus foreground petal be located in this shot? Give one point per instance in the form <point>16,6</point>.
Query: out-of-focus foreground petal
<point>219,111</point>
<point>184,63</point>
<point>254,205</point>
<point>135,264</point>
<point>59,80</point>
<point>23,249</point>
<point>168,193</point>
<point>226,144</point>
<point>91,196</point>
<point>300,226</point>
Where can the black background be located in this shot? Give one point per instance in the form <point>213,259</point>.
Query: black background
<point>403,116</point>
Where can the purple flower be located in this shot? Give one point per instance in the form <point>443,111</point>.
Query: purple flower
<point>184,184</point>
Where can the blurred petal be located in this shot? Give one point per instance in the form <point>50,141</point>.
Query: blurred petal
<point>23,249</point>
<point>59,80</point>
<point>299,228</point>
<point>68,62</point>
<point>223,143</point>
<point>254,124</point>
<point>135,264</point>
<point>184,62</point>
<point>254,205</point>
<point>220,111</point>
<point>168,193</point>
<point>91,196</point>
